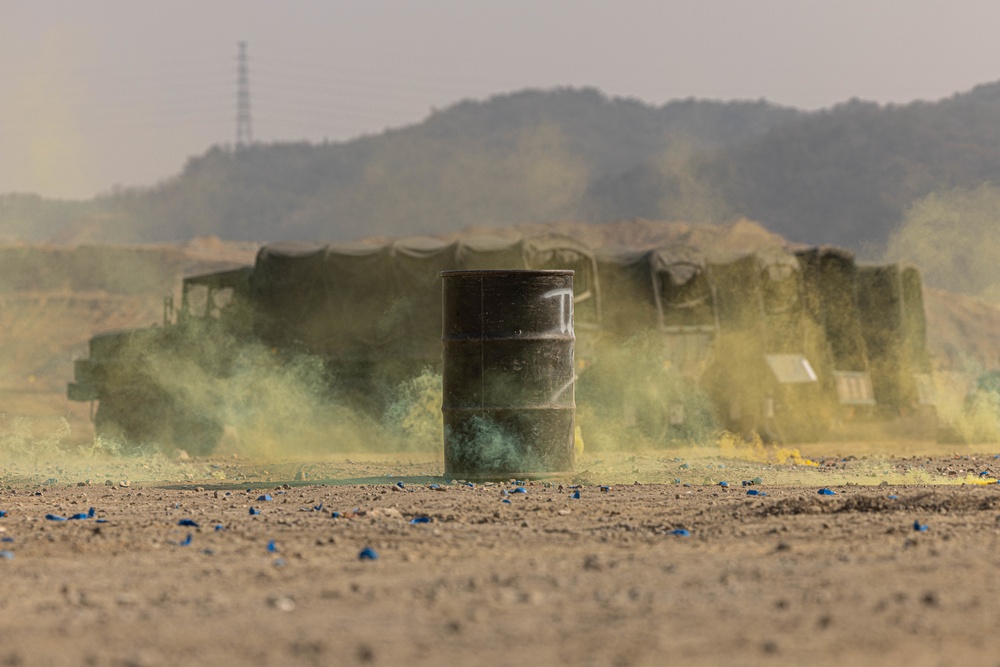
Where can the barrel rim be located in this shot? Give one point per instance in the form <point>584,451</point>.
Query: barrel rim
<point>520,272</point>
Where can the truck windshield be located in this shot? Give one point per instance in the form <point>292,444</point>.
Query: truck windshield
<point>202,301</point>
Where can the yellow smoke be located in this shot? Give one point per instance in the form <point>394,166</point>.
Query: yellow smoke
<point>754,450</point>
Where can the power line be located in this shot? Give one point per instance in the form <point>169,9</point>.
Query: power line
<point>244,129</point>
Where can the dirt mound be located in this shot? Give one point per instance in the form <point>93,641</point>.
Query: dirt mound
<point>926,501</point>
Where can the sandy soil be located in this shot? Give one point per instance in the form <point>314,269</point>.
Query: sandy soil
<point>788,576</point>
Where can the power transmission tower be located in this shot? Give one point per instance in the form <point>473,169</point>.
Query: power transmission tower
<point>244,129</point>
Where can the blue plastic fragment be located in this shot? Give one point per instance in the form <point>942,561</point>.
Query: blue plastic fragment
<point>576,494</point>
<point>219,527</point>
<point>893,497</point>
<point>6,539</point>
<point>518,482</point>
<point>919,527</point>
<point>368,554</point>
<point>470,485</point>
<point>985,473</point>
<point>81,515</point>
<point>605,489</point>
<point>3,513</point>
<point>101,520</point>
<point>401,485</point>
<point>271,547</point>
<point>520,489</point>
<point>827,492</point>
<point>747,482</point>
<point>505,501</point>
<point>264,498</point>
<point>186,541</point>
<point>91,512</point>
<point>504,493</point>
<point>681,532</point>
<point>753,492</point>
<point>724,485</point>
<point>254,511</point>
<point>7,555</point>
<point>55,517</point>
<point>318,508</point>
<point>420,519</point>
<point>188,522</point>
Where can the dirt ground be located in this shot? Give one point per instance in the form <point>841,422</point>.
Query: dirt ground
<point>484,574</point>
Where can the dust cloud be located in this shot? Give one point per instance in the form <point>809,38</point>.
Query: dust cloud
<point>951,236</point>
<point>216,397</point>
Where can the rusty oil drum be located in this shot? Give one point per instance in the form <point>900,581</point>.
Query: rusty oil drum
<point>509,387</point>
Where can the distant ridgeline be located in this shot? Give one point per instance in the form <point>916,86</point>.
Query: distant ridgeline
<point>845,175</point>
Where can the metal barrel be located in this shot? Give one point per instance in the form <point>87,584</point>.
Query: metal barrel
<point>509,400</point>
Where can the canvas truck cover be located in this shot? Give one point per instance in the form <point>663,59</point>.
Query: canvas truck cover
<point>556,251</point>
<point>890,306</point>
<point>683,292</point>
<point>785,324</point>
<point>484,253</point>
<point>289,292</point>
<point>829,280</point>
<point>629,305</point>
<point>417,263</point>
<point>738,297</point>
<point>365,310</point>
<point>686,307</point>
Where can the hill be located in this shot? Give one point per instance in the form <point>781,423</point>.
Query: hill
<point>845,175</point>
<point>533,156</point>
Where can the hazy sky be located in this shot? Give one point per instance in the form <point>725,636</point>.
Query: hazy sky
<point>100,93</point>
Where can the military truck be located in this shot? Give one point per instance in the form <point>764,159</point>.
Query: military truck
<point>674,341</point>
<point>125,370</point>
